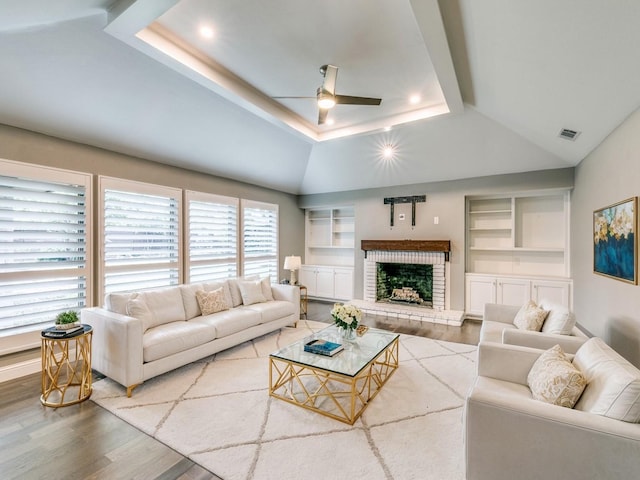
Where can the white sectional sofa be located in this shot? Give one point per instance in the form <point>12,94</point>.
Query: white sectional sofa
<point>498,326</point>
<point>138,336</point>
<point>510,435</point>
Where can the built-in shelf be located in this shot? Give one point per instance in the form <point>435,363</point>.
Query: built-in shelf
<point>330,236</point>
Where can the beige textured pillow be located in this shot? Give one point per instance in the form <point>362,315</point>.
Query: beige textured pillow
<point>530,317</point>
<point>553,379</point>
<point>251,292</point>
<point>212,302</point>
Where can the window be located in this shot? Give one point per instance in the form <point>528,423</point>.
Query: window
<point>45,252</point>
<point>260,239</point>
<point>212,231</point>
<point>140,236</point>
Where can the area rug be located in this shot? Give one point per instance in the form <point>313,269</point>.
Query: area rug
<point>218,413</point>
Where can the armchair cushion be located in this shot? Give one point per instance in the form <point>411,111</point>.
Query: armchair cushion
<point>613,388</point>
<point>553,379</point>
<point>530,317</point>
<point>559,320</point>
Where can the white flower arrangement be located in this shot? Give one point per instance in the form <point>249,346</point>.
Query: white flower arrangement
<point>346,316</point>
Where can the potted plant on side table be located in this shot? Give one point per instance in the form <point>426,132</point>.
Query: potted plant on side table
<point>67,320</point>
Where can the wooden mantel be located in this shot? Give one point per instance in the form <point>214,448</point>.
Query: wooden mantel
<point>407,246</point>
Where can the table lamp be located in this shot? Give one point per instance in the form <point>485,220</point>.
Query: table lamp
<point>293,263</point>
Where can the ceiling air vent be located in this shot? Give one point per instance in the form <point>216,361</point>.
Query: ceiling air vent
<point>568,134</point>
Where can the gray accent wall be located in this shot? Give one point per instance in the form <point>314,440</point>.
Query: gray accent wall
<point>445,200</point>
<point>29,147</point>
<point>606,307</point>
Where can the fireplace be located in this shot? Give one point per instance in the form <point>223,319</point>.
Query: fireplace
<point>420,287</point>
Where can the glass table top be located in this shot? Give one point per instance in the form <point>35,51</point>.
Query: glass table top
<point>355,356</point>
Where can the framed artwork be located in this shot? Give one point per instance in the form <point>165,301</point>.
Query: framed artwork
<point>615,245</point>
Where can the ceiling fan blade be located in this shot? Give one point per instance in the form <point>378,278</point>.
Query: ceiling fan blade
<point>349,100</point>
<point>322,115</point>
<point>330,75</point>
<point>296,98</point>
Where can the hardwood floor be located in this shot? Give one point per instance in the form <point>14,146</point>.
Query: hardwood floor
<point>85,441</point>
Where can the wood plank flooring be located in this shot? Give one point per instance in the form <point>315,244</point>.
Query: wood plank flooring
<point>85,441</point>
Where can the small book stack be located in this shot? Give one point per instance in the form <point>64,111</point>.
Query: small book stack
<point>323,347</point>
<point>55,332</point>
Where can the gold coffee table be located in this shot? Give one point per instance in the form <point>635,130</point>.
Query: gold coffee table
<point>341,386</point>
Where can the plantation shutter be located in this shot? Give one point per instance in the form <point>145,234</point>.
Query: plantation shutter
<point>260,239</point>
<point>140,236</point>
<point>212,229</point>
<point>44,243</point>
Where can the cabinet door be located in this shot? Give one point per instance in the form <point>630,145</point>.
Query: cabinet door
<point>324,282</point>
<point>307,277</point>
<point>513,291</point>
<point>552,292</point>
<point>480,290</point>
<point>343,283</point>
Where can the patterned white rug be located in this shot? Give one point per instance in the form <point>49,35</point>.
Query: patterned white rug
<point>218,413</point>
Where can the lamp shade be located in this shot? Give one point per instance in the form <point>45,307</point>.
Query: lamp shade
<point>292,263</point>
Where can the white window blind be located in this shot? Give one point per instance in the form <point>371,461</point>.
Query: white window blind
<point>260,239</point>
<point>212,230</point>
<point>44,243</point>
<point>140,235</point>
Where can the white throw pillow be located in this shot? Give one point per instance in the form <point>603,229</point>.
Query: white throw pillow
<point>137,308</point>
<point>251,292</point>
<point>212,302</point>
<point>530,317</point>
<point>613,388</point>
<point>234,288</point>
<point>265,283</point>
<point>559,320</point>
<point>553,379</point>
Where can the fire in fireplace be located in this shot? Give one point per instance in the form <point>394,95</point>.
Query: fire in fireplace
<point>404,283</point>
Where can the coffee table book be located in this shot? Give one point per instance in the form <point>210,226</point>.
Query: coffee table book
<point>323,347</point>
<point>54,332</point>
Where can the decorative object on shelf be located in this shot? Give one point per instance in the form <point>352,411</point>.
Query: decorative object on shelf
<point>412,200</point>
<point>67,320</point>
<point>615,245</point>
<point>346,318</point>
<point>293,263</point>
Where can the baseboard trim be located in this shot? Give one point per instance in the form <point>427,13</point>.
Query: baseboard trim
<point>21,369</point>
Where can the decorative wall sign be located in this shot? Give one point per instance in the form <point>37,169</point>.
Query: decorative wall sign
<point>615,244</point>
<point>412,200</point>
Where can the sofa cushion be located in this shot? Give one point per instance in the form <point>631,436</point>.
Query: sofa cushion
<point>189,301</point>
<point>137,308</point>
<point>530,317</point>
<point>117,302</point>
<point>613,388</point>
<point>230,321</point>
<point>234,288</point>
<point>270,311</point>
<point>174,337</point>
<point>559,319</point>
<point>251,291</point>
<point>212,302</point>
<point>553,379</point>
<point>166,304</point>
<point>266,288</point>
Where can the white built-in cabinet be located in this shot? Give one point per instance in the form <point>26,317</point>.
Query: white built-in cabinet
<point>335,283</point>
<point>517,249</point>
<point>329,252</point>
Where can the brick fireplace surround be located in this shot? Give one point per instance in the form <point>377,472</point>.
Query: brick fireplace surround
<point>434,252</point>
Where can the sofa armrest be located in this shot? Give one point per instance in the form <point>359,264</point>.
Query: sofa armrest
<point>287,293</point>
<point>116,346</point>
<point>542,341</point>
<point>510,363</point>
<point>494,312</point>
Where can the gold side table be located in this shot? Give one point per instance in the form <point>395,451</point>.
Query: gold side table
<point>304,300</point>
<point>66,369</point>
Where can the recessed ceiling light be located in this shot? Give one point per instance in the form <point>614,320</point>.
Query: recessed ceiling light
<point>388,151</point>
<point>330,121</point>
<point>413,99</point>
<point>387,128</point>
<point>206,31</point>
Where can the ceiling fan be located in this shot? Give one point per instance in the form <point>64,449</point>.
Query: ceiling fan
<point>327,98</point>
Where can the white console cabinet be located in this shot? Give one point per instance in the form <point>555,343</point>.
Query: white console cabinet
<point>326,282</point>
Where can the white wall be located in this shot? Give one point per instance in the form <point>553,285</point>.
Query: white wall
<point>606,307</point>
<point>445,200</point>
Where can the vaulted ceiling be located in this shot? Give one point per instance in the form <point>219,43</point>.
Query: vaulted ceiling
<point>468,88</point>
